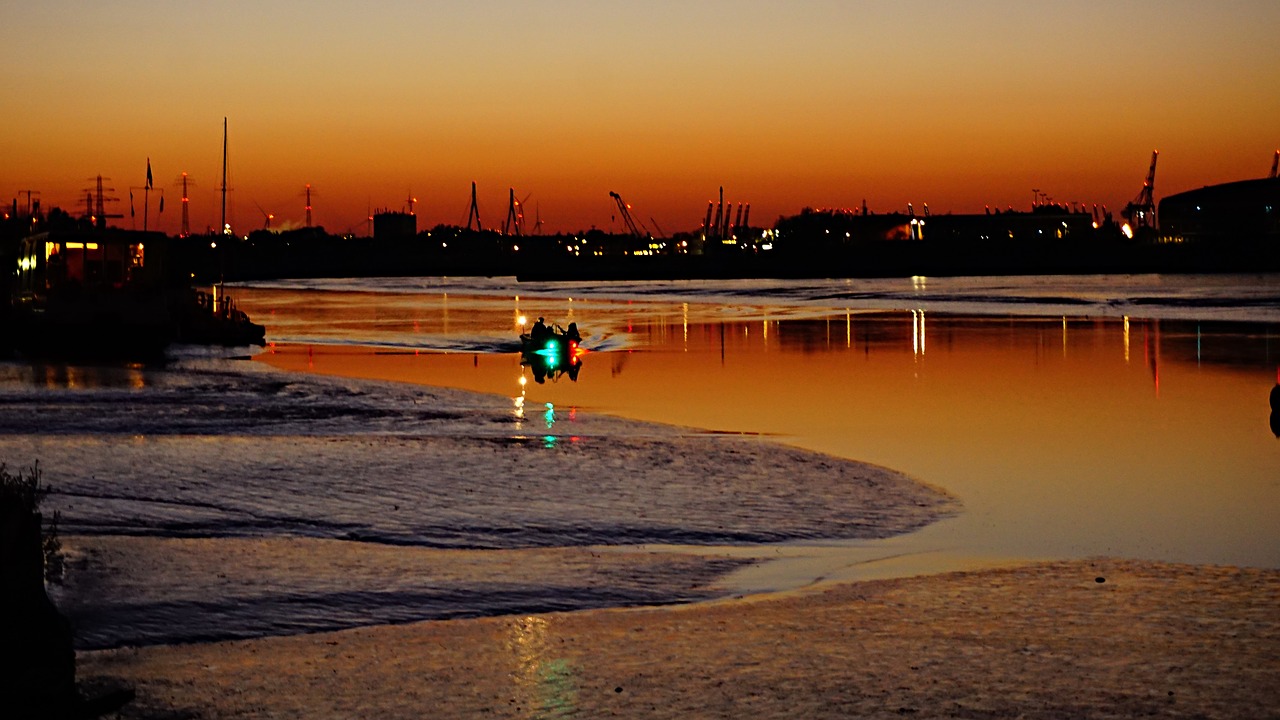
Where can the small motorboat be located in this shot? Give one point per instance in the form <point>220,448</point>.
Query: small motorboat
<point>559,347</point>
<point>552,351</point>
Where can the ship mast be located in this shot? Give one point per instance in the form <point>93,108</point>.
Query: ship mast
<point>223,228</point>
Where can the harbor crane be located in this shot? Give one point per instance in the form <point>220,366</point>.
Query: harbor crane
<point>625,212</point>
<point>661,233</point>
<point>1141,212</point>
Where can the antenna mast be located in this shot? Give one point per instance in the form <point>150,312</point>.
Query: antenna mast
<point>223,229</point>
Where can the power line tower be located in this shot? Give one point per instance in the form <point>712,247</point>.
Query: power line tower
<point>307,193</point>
<point>184,182</point>
<point>98,200</point>
<point>474,213</point>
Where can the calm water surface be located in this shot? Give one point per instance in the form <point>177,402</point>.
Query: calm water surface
<point>214,498</point>
<point>1072,417</point>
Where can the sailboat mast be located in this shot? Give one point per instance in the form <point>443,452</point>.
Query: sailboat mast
<point>223,228</point>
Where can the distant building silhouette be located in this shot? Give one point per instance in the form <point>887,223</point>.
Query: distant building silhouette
<point>1243,211</point>
<point>394,225</point>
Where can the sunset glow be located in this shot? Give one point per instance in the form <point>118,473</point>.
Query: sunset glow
<point>786,105</point>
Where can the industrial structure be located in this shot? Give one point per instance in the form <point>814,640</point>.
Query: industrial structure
<point>473,214</point>
<point>392,225</point>
<point>624,211</point>
<point>723,230</point>
<point>1141,211</point>
<point>1246,211</point>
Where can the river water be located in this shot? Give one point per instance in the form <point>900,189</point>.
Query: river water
<point>1069,417</point>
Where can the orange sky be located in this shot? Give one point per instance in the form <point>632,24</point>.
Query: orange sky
<point>823,103</point>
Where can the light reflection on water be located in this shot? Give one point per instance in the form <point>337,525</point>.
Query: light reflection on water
<point>1064,436</point>
<point>543,681</point>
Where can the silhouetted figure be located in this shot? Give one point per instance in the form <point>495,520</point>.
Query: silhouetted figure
<point>539,331</point>
<point>572,334</point>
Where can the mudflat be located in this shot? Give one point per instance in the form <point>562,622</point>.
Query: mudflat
<point>1097,638</point>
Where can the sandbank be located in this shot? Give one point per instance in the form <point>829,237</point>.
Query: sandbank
<point>1086,638</point>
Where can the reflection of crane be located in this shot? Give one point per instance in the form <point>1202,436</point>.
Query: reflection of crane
<point>1275,165</point>
<point>1141,212</point>
<point>625,212</point>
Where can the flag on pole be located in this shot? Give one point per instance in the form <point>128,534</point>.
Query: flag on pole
<point>131,214</point>
<point>148,173</point>
<point>162,203</point>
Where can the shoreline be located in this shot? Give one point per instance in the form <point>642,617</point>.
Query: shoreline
<point>1083,638</point>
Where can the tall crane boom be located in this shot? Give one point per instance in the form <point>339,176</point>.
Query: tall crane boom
<point>1141,212</point>
<point>626,215</point>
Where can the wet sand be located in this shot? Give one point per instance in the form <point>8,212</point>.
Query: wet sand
<point>1090,638</point>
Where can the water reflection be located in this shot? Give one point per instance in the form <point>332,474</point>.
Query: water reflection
<point>66,376</point>
<point>1062,435</point>
<point>545,685</point>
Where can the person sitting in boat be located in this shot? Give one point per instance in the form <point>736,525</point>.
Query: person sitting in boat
<point>539,331</point>
<point>572,333</point>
